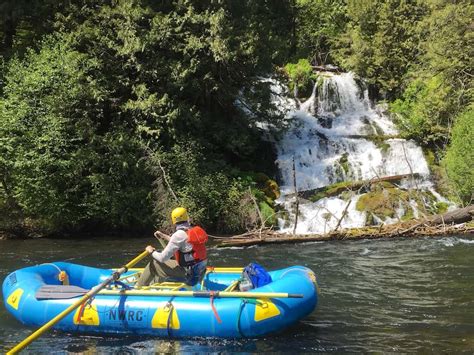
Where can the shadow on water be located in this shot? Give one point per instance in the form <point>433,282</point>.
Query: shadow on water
<point>404,295</point>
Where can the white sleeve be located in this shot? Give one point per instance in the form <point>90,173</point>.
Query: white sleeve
<point>177,240</point>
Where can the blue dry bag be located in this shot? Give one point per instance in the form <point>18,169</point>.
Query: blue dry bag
<point>257,275</point>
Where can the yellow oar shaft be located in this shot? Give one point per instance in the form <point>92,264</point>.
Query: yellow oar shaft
<point>135,261</point>
<point>216,294</point>
<point>48,325</point>
<point>75,305</point>
<point>225,269</point>
<point>217,270</point>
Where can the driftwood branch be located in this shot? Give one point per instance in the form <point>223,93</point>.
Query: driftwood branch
<point>343,215</point>
<point>414,180</point>
<point>166,181</point>
<point>262,222</point>
<point>296,194</point>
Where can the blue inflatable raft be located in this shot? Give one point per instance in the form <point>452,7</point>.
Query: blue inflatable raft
<point>214,308</point>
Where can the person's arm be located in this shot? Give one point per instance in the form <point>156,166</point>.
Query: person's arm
<point>175,242</point>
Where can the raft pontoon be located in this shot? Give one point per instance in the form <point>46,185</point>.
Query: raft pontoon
<point>213,308</point>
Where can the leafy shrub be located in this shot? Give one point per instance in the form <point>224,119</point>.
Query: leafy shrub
<point>214,199</point>
<point>421,112</point>
<point>64,162</point>
<point>459,159</point>
<point>301,77</point>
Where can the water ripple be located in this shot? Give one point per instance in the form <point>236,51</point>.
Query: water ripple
<point>404,295</point>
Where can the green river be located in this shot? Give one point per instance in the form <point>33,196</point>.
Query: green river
<point>398,295</point>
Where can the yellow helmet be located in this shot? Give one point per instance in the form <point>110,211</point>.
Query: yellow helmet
<point>179,214</point>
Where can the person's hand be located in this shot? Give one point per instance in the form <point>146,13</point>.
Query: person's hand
<point>150,249</point>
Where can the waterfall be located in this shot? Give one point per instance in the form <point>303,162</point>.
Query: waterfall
<point>338,136</point>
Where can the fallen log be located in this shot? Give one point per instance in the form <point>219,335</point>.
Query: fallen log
<point>460,215</point>
<point>346,235</point>
<point>331,69</point>
<point>371,137</point>
<point>455,222</point>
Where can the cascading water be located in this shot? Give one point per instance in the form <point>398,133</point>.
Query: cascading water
<point>336,136</point>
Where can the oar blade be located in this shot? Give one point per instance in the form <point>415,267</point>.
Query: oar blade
<point>49,292</point>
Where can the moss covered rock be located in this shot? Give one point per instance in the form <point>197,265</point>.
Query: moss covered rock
<point>268,186</point>
<point>376,202</point>
<point>331,190</point>
<point>382,202</point>
<point>268,214</point>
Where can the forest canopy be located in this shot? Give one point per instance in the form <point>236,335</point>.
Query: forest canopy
<point>114,112</point>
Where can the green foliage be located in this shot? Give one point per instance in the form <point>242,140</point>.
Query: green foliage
<point>422,111</point>
<point>448,49</point>
<point>441,207</point>
<point>134,96</point>
<point>214,199</point>
<point>318,23</point>
<point>268,186</point>
<point>23,22</point>
<point>381,41</point>
<point>331,190</point>
<point>385,200</point>
<point>57,163</point>
<point>301,77</point>
<point>382,202</point>
<point>440,86</point>
<point>268,214</point>
<point>459,159</point>
<point>123,81</point>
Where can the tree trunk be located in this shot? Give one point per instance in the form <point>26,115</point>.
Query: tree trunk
<point>329,69</point>
<point>454,223</point>
<point>461,215</point>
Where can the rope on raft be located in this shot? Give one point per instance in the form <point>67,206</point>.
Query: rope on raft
<point>170,315</point>
<point>241,308</point>
<point>214,294</point>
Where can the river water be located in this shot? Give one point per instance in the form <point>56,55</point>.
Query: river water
<point>399,295</point>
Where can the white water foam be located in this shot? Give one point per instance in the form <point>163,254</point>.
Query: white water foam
<point>452,241</point>
<point>331,139</point>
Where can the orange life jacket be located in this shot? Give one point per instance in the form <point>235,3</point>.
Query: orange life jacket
<point>197,237</point>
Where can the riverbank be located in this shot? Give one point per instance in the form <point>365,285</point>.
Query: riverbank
<point>460,221</point>
<point>29,234</point>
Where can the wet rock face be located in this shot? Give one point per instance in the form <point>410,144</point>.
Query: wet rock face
<point>325,122</point>
<point>305,91</point>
